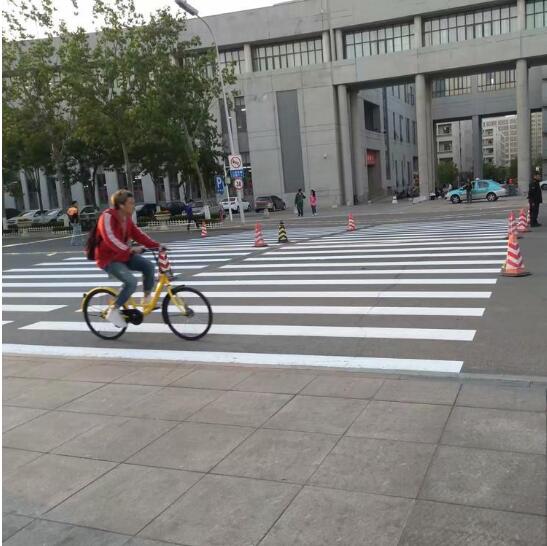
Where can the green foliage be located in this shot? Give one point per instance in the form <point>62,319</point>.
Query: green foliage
<point>495,172</point>
<point>447,172</point>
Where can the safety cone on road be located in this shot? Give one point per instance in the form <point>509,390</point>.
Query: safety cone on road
<point>522,226</point>
<point>351,223</point>
<point>204,229</point>
<point>282,233</point>
<point>514,263</point>
<point>512,226</point>
<point>259,238</point>
<point>528,218</point>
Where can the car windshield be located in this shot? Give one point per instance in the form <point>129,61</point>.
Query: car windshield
<point>29,214</point>
<point>54,212</point>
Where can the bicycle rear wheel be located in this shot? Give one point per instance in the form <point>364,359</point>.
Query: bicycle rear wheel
<point>187,312</point>
<point>95,306</point>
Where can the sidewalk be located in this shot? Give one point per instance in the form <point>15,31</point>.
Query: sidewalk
<point>139,455</point>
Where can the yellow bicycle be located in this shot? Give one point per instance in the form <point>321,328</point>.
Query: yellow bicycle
<point>187,321</point>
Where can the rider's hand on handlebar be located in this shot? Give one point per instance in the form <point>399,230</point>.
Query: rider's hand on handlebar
<point>137,249</point>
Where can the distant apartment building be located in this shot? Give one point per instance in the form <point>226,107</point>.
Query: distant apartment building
<point>455,144</point>
<point>494,145</point>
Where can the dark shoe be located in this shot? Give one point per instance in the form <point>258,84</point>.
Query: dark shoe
<point>535,225</point>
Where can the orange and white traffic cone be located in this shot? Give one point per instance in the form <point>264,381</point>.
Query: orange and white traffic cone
<point>351,223</point>
<point>528,218</point>
<point>512,226</point>
<point>259,238</point>
<point>204,229</point>
<point>514,263</point>
<point>522,226</point>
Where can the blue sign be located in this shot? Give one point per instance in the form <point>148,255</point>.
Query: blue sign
<point>236,173</point>
<point>219,184</point>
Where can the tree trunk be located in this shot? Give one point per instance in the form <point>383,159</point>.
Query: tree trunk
<point>93,185</point>
<point>190,146</point>
<point>127,164</point>
<point>38,187</point>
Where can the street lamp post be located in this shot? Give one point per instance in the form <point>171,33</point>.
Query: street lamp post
<point>190,10</point>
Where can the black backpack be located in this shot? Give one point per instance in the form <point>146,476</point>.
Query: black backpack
<point>93,240</point>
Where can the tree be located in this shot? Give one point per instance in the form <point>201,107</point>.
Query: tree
<point>513,171</point>
<point>447,172</point>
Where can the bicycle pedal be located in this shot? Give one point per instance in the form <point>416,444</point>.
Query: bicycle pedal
<point>134,316</point>
<point>190,312</point>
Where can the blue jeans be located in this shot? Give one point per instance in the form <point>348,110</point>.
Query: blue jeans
<point>122,272</point>
<point>76,235</point>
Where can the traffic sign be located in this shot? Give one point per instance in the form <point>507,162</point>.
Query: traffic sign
<point>235,162</point>
<point>236,173</point>
<point>219,184</point>
<point>238,183</point>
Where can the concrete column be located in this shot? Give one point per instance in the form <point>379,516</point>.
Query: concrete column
<point>423,104</point>
<point>431,140</point>
<point>521,14</point>
<point>418,34</point>
<point>523,123</point>
<point>476,127</point>
<point>326,46</point>
<point>339,44</point>
<point>345,140</point>
<point>24,188</point>
<point>248,54</point>
<point>359,142</point>
<point>59,191</point>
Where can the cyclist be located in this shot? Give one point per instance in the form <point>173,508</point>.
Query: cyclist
<point>114,254</point>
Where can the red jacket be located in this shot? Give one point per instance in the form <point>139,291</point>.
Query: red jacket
<point>114,235</point>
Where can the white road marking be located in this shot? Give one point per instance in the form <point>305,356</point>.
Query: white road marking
<point>87,262</point>
<point>31,308</point>
<point>6,322</point>
<point>90,268</point>
<point>360,256</point>
<point>364,264</point>
<point>283,273</point>
<point>312,253</point>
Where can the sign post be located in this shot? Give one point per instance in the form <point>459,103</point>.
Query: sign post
<point>235,162</point>
<point>227,190</point>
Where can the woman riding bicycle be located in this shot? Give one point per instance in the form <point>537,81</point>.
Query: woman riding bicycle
<point>115,230</point>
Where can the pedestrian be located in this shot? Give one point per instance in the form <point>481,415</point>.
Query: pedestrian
<point>313,202</point>
<point>221,212</point>
<point>189,214</point>
<point>73,214</point>
<point>469,190</point>
<point>299,202</point>
<point>534,199</point>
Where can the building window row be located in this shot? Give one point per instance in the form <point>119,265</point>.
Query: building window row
<point>451,87</point>
<point>378,41</point>
<point>470,25</point>
<point>492,81</point>
<point>287,55</point>
<point>536,13</point>
<point>408,93</point>
<point>235,58</point>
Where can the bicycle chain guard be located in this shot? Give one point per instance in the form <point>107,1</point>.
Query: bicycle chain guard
<point>134,316</point>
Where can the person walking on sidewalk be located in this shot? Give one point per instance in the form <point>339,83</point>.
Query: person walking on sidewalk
<point>299,202</point>
<point>469,190</point>
<point>73,214</point>
<point>535,198</point>
<point>313,202</point>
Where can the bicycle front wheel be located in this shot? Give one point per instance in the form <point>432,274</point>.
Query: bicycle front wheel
<point>187,312</point>
<point>95,306</point>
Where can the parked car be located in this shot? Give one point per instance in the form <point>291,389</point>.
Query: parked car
<point>11,213</point>
<point>176,208</point>
<point>88,216</point>
<point>55,215</point>
<point>198,209</point>
<point>234,204</point>
<point>482,189</point>
<point>543,184</point>
<point>14,220</point>
<point>145,210</point>
<point>270,202</point>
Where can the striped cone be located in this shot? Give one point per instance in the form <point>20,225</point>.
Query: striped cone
<point>528,218</point>
<point>164,263</point>
<point>522,226</point>
<point>514,264</point>
<point>512,226</point>
<point>282,234</point>
<point>259,238</point>
<point>351,223</point>
<point>204,229</point>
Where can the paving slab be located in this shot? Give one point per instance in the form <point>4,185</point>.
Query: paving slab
<point>192,446</point>
<point>213,379</point>
<point>324,517</point>
<point>12,523</point>
<point>344,386</point>
<point>160,376</point>
<point>223,511</point>
<point>14,458</point>
<point>502,397</point>
<point>283,382</point>
<point>420,391</point>
<point>432,524</point>
<point>241,408</point>
<point>38,486</point>
<point>278,455</point>
<point>401,421</point>
<point>125,499</point>
<point>104,373</point>
<point>375,466</point>
<point>13,416</point>
<point>488,479</point>
<point>317,414</point>
<point>496,429</point>
<point>136,541</point>
<point>48,369</point>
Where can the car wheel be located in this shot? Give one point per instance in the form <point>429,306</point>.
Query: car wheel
<point>491,196</point>
<point>455,199</point>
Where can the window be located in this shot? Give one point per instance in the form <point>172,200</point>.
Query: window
<point>122,180</point>
<point>409,94</point>
<point>445,147</point>
<point>407,130</point>
<point>401,128</point>
<point>138,193</point>
<point>450,87</point>
<point>241,116</point>
<point>174,189</point>
<point>444,129</point>
<point>470,25</point>
<point>233,57</point>
<point>413,132</point>
<point>378,41</point>
<point>372,117</point>
<point>394,127</point>
<point>536,14</point>
<point>501,79</point>
<point>288,54</point>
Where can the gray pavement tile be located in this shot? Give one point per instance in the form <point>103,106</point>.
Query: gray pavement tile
<point>278,381</point>
<point>501,397</point>
<point>13,416</point>
<point>278,455</point>
<point>241,408</point>
<point>46,393</point>
<point>421,391</point>
<point>223,378</point>
<point>432,524</point>
<point>401,421</point>
<point>375,466</point>
<point>317,414</point>
<point>14,458</point>
<point>12,523</point>
<point>324,517</point>
<point>50,430</point>
<point>160,376</point>
<point>173,403</point>
<point>192,446</point>
<point>136,541</point>
<point>51,369</point>
<point>223,511</point>
<point>49,533</point>
<point>116,439</point>
<point>496,429</point>
<point>489,479</point>
<point>36,487</point>
<point>110,399</point>
<point>125,499</point>
<point>104,373</point>
<point>12,387</point>
<point>16,367</point>
<point>343,386</point>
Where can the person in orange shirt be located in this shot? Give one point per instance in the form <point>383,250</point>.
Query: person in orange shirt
<point>73,214</point>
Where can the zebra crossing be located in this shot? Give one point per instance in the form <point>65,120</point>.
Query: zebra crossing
<point>394,296</point>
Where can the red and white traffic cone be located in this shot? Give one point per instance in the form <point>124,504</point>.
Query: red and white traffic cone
<point>528,218</point>
<point>204,229</point>
<point>512,226</point>
<point>514,263</point>
<point>351,223</point>
<point>259,238</point>
<point>522,226</point>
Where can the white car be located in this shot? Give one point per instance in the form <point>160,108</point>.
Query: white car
<point>234,204</point>
<point>35,217</point>
<point>543,184</point>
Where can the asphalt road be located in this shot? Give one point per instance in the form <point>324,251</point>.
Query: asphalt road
<point>383,297</point>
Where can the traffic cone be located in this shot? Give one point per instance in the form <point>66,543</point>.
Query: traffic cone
<point>204,229</point>
<point>282,234</point>
<point>259,239</point>
<point>528,218</point>
<point>514,264</point>
<point>522,226</point>
<point>512,226</point>
<point>351,223</point>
